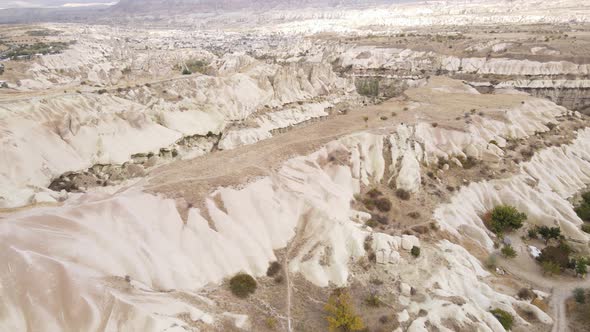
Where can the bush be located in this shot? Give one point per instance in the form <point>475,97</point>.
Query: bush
<point>580,295</point>
<point>415,251</point>
<point>414,215</point>
<point>491,262</point>
<point>533,233</point>
<point>525,294</point>
<point>581,266</point>
<point>383,204</point>
<point>504,318</point>
<point>185,71</point>
<point>374,193</point>
<point>551,268</point>
<point>341,313</point>
<point>242,285</point>
<point>273,269</point>
<point>373,301</point>
<point>586,228</point>
<point>583,210</point>
<point>506,218</point>
<point>403,194</point>
<point>508,251</point>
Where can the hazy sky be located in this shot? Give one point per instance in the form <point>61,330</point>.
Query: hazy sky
<point>49,3</point>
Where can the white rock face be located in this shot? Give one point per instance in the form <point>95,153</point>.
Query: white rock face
<point>368,57</point>
<point>559,172</point>
<point>77,249</point>
<point>72,132</point>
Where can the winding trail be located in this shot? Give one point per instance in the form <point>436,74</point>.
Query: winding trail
<point>561,287</point>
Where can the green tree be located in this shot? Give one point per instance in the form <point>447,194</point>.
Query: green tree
<point>341,313</point>
<point>506,218</point>
<point>548,233</point>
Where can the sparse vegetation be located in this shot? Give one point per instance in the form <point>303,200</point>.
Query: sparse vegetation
<point>580,295</point>
<point>504,317</point>
<point>491,262</point>
<point>341,315</point>
<point>504,218</point>
<point>373,300</point>
<point>367,87</point>
<point>242,285</point>
<point>27,51</point>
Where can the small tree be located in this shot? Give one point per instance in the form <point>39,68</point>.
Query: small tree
<point>548,233</point>
<point>508,251</point>
<point>506,218</point>
<point>341,314</point>
<point>504,317</point>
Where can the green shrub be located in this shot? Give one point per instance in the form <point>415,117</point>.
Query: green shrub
<point>504,317</point>
<point>586,228</point>
<point>581,266</point>
<point>373,301</point>
<point>580,295</point>
<point>491,262</point>
<point>583,210</point>
<point>415,251</point>
<point>505,218</point>
<point>242,285</point>
<point>533,233</point>
<point>551,268</point>
<point>508,251</point>
<point>185,71</point>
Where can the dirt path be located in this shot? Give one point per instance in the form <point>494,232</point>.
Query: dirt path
<point>560,287</point>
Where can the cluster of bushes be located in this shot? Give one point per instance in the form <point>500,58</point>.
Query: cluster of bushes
<point>504,218</point>
<point>583,211</point>
<point>556,259</point>
<point>37,48</point>
<point>376,200</point>
<point>546,233</point>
